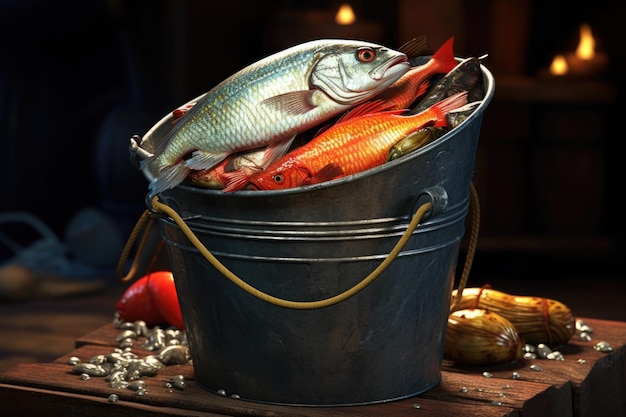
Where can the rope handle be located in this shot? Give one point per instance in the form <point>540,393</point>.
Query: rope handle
<point>146,221</point>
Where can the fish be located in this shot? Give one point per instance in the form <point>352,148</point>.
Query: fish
<point>245,163</point>
<point>238,169</point>
<point>269,102</point>
<point>357,143</point>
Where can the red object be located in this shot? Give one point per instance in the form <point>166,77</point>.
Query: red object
<point>153,299</point>
<point>161,285</point>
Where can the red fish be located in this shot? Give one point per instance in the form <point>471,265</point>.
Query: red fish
<point>355,144</point>
<point>212,178</point>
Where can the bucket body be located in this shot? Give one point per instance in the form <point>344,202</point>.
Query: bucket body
<point>311,243</point>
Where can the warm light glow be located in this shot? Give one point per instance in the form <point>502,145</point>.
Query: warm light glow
<point>345,15</point>
<point>587,44</point>
<point>558,65</point>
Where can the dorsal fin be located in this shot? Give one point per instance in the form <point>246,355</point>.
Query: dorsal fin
<point>416,47</point>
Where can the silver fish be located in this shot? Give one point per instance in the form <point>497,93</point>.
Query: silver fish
<point>269,102</point>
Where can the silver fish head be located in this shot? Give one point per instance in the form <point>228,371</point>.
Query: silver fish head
<point>354,71</point>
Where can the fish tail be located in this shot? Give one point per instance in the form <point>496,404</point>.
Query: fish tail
<point>169,177</point>
<point>445,56</point>
<point>446,105</point>
<point>236,180</point>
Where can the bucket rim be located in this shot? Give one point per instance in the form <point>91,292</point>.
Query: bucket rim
<point>489,80</point>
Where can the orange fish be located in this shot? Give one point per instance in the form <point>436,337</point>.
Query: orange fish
<point>212,178</point>
<point>355,144</point>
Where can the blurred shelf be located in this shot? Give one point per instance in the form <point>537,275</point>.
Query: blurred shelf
<point>554,90</point>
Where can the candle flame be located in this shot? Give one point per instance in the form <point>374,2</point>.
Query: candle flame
<point>586,44</point>
<point>559,65</point>
<point>345,15</point>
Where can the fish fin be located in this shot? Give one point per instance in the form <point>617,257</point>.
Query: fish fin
<point>204,160</point>
<point>423,87</point>
<point>323,128</point>
<point>276,150</point>
<point>445,56</point>
<point>416,47</point>
<point>169,177</point>
<point>294,102</point>
<point>328,172</point>
<point>369,107</point>
<point>236,180</point>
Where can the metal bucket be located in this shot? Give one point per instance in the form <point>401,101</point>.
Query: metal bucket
<point>307,244</point>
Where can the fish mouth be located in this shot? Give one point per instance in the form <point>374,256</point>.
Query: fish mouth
<point>390,68</point>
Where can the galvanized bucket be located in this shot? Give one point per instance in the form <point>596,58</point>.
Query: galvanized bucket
<point>312,243</point>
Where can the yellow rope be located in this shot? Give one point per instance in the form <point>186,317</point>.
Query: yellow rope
<point>300,305</point>
<point>146,221</point>
<point>473,241</point>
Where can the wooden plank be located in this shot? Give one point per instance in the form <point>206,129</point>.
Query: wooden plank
<point>588,382</point>
<point>27,386</point>
<point>525,397</point>
<point>27,402</point>
<point>601,390</point>
<point>529,398</point>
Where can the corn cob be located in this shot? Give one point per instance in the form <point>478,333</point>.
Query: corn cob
<point>538,320</point>
<point>481,337</point>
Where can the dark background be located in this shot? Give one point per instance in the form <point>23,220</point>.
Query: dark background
<point>78,78</point>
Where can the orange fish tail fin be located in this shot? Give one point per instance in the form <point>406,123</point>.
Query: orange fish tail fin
<point>447,105</point>
<point>236,180</point>
<point>445,56</point>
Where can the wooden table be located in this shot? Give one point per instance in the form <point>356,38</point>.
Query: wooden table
<point>587,383</point>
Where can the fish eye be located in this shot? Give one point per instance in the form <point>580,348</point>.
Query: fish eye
<point>278,178</point>
<point>366,54</point>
